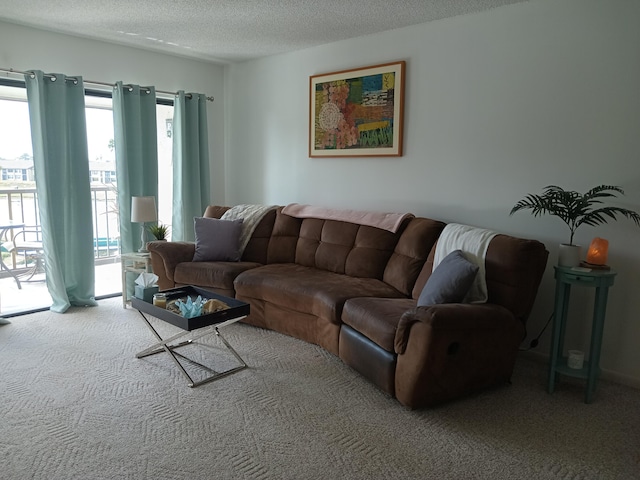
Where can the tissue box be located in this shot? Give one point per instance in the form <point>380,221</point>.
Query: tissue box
<point>145,293</point>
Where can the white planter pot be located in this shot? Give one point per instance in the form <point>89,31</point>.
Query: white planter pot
<point>569,255</point>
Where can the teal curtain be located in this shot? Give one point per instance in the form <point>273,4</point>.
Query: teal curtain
<point>191,190</point>
<point>61,168</point>
<point>136,142</point>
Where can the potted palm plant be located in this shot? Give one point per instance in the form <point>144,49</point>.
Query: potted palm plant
<point>159,231</point>
<point>575,209</point>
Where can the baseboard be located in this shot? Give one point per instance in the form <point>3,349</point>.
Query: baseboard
<point>608,375</point>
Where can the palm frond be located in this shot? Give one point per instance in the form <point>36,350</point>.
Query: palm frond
<point>602,191</point>
<point>603,215</point>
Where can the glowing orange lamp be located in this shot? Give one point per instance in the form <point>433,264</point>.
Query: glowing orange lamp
<point>598,250</point>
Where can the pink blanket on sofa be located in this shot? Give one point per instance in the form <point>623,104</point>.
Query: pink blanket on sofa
<point>386,221</point>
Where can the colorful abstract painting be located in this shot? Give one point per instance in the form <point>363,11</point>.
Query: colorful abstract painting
<point>357,112</point>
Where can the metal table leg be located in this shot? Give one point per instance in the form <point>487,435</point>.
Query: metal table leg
<point>163,345</point>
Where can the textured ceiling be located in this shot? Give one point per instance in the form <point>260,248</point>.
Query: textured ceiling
<point>231,30</point>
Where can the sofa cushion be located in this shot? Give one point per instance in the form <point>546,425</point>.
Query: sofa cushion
<point>217,240</point>
<point>216,275</point>
<point>514,268</point>
<point>215,211</point>
<point>409,255</point>
<point>450,281</point>
<point>284,238</point>
<point>256,249</point>
<point>342,247</point>
<point>305,289</point>
<point>376,318</point>
<point>425,273</point>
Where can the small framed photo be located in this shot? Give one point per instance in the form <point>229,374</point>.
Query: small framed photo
<point>357,113</point>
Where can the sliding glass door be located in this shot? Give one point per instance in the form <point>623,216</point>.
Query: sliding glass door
<point>22,277</point>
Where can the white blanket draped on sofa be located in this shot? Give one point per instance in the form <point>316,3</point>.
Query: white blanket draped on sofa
<point>473,242</point>
<point>251,215</point>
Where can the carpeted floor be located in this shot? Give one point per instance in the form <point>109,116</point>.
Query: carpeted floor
<point>77,404</point>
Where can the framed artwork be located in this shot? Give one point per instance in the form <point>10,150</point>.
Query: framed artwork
<point>357,113</point>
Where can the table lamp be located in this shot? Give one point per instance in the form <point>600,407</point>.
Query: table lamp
<point>143,210</point>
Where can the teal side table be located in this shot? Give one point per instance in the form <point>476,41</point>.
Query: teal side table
<point>565,277</point>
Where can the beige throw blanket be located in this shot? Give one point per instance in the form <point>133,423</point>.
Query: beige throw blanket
<point>386,221</point>
<point>474,243</point>
<point>251,215</point>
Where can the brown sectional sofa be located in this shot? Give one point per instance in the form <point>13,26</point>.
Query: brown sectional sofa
<point>352,289</point>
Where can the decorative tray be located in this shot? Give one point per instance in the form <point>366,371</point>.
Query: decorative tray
<point>236,308</point>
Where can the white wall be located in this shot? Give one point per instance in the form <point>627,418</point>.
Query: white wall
<point>498,104</point>
<point>23,48</point>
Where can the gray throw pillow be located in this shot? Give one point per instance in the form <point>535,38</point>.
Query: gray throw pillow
<point>217,240</point>
<point>450,281</point>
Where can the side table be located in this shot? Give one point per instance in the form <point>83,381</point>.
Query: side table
<point>565,277</point>
<point>133,263</point>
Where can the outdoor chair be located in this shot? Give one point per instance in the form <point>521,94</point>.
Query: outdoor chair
<point>27,244</point>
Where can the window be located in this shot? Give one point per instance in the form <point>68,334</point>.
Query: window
<point>164,117</point>
<point>16,174</point>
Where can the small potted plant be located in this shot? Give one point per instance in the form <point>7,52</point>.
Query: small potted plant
<point>575,209</point>
<point>159,231</point>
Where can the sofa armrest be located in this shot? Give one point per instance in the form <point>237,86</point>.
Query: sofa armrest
<point>448,351</point>
<point>164,258</point>
<point>451,316</point>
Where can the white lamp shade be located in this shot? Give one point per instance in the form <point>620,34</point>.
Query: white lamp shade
<point>143,209</point>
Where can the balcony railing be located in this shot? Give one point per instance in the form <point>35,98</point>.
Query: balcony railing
<point>21,205</point>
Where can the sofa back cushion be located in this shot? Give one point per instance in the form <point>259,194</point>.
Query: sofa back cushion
<point>284,238</point>
<point>347,248</point>
<point>514,269</point>
<point>215,211</point>
<point>411,252</point>
<point>339,247</point>
<point>258,246</point>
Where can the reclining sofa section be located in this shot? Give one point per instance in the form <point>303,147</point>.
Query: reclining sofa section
<point>353,290</point>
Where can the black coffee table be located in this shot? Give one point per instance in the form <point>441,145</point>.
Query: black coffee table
<point>205,324</point>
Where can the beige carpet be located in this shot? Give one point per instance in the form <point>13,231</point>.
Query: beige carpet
<point>77,404</point>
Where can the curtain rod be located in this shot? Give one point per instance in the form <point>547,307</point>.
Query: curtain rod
<point>92,82</point>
